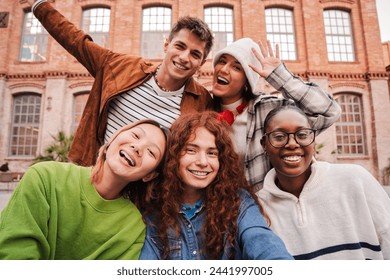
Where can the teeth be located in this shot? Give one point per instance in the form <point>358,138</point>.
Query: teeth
<point>180,66</point>
<point>127,158</point>
<point>222,81</point>
<point>292,158</point>
<point>199,173</point>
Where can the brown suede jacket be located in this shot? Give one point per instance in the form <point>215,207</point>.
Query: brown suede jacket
<point>114,73</point>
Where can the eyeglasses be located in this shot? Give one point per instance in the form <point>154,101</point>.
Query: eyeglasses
<point>304,137</point>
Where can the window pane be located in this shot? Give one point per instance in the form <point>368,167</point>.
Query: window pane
<point>79,102</point>
<point>220,20</point>
<point>96,22</point>
<point>156,24</point>
<point>34,40</point>
<point>338,35</point>
<point>25,128</point>
<point>280,29</point>
<point>349,128</point>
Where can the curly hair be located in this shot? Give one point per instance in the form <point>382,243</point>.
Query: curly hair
<point>221,197</point>
<point>139,192</point>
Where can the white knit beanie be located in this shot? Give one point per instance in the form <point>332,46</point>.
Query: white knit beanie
<point>242,51</point>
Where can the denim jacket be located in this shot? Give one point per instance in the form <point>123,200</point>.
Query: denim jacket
<point>254,239</point>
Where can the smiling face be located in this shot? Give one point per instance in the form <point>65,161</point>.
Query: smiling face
<point>229,79</point>
<point>292,160</point>
<point>184,55</point>
<point>135,153</point>
<point>199,162</point>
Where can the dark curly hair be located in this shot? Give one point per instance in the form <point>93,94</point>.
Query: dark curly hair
<point>221,197</point>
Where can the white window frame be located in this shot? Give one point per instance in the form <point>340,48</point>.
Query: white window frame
<point>156,25</point>
<point>280,30</point>
<point>25,125</point>
<point>339,39</point>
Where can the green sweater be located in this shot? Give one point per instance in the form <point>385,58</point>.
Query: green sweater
<point>56,213</point>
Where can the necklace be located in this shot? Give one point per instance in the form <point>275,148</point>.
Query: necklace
<point>158,84</point>
<point>230,116</point>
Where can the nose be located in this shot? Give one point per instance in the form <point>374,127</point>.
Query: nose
<point>225,68</point>
<point>137,149</point>
<point>184,56</point>
<point>291,141</point>
<point>202,159</point>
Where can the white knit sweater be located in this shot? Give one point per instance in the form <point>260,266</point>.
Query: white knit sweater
<point>342,213</point>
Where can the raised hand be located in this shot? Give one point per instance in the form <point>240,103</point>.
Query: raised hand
<point>268,60</point>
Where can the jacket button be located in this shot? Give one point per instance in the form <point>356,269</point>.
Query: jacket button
<point>194,252</point>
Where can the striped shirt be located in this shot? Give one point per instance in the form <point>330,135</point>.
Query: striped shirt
<point>147,101</point>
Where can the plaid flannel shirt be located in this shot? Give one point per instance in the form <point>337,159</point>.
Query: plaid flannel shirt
<point>319,106</point>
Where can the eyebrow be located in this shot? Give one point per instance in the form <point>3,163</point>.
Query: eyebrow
<point>194,50</point>
<point>197,146</point>
<point>284,130</point>
<point>235,60</point>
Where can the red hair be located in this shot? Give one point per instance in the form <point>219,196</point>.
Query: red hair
<point>221,198</point>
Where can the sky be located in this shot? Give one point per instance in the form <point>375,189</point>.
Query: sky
<point>383,9</point>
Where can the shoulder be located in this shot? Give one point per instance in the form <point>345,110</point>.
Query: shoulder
<point>119,60</point>
<point>343,168</point>
<point>196,88</point>
<point>344,173</point>
<point>53,170</point>
<point>272,101</point>
<point>54,165</point>
<point>243,194</point>
<point>246,199</point>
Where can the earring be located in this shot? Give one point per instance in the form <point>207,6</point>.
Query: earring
<point>265,153</point>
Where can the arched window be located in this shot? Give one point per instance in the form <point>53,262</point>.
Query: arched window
<point>339,41</point>
<point>221,22</point>
<point>33,43</point>
<point>280,29</point>
<point>156,24</point>
<point>96,22</point>
<point>349,128</point>
<point>25,125</point>
<point>79,102</point>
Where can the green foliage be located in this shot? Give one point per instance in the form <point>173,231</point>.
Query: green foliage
<point>319,148</point>
<point>57,150</point>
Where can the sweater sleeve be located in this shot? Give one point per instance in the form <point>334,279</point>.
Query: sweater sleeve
<point>24,221</point>
<point>379,204</point>
<point>72,39</point>
<point>318,105</point>
<point>255,238</point>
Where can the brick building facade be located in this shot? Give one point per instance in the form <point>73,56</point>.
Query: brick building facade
<point>335,44</point>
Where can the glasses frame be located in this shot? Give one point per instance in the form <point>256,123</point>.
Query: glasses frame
<point>288,137</point>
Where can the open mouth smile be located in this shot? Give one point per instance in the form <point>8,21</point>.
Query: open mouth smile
<point>292,158</point>
<point>127,157</point>
<point>222,81</point>
<point>178,65</point>
<point>199,173</point>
